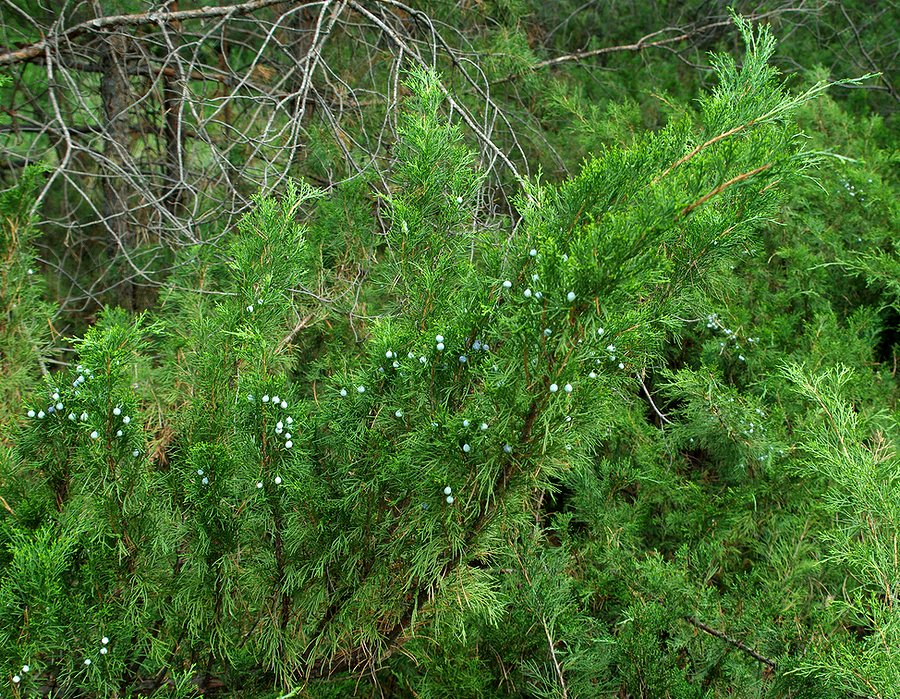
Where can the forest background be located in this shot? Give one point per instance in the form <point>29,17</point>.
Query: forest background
<point>449,349</point>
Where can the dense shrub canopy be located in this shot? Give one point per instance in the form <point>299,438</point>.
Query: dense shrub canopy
<point>443,431</point>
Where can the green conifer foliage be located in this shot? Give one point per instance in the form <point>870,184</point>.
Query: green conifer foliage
<point>232,491</point>
<point>854,468</point>
<point>24,329</point>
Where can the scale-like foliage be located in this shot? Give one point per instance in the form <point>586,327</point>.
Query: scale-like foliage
<point>470,497</point>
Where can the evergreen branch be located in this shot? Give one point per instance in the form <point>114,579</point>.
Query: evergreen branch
<point>780,109</point>
<point>483,520</point>
<point>343,565</point>
<point>358,657</point>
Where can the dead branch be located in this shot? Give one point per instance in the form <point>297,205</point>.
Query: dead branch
<point>743,647</point>
<point>683,34</point>
<point>36,49</point>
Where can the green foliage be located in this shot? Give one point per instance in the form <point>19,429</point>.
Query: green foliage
<point>24,316</point>
<point>549,457</point>
<point>856,470</point>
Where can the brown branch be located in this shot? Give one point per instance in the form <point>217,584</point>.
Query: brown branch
<point>32,51</point>
<point>706,144</point>
<point>888,84</point>
<point>225,78</point>
<point>639,45</point>
<point>643,42</point>
<point>734,180</point>
<point>6,506</point>
<point>732,641</point>
<point>140,70</point>
<point>559,671</point>
<point>656,410</point>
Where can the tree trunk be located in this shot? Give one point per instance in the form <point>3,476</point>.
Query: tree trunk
<point>115,93</point>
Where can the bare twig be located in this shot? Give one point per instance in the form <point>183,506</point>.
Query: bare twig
<point>32,51</point>
<point>178,162</point>
<point>652,404</point>
<point>645,43</point>
<point>556,665</point>
<point>744,648</point>
<point>464,114</point>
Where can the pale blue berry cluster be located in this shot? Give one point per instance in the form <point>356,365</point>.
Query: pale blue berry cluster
<point>283,424</point>
<point>125,419</point>
<point>275,401</point>
<point>277,481</point>
<point>611,350</point>
<point>483,426</point>
<point>282,429</point>
<point>568,388</point>
<point>749,427</point>
<point>118,422</point>
<point>250,307</point>
<point>55,406</point>
<point>850,188</point>
<point>104,649</point>
<point>441,346</point>
<point>18,678</point>
<point>84,374</point>
<point>714,323</point>
<point>535,277</point>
